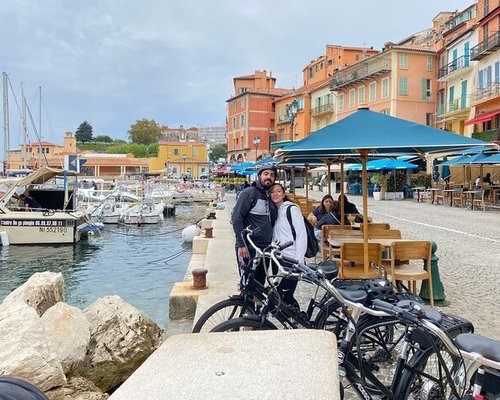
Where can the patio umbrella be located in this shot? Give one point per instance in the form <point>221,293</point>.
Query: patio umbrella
<point>383,164</point>
<point>493,159</point>
<point>370,134</point>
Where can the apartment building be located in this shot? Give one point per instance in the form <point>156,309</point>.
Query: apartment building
<point>181,159</point>
<point>250,116</point>
<point>456,74</point>
<point>485,100</point>
<point>399,81</point>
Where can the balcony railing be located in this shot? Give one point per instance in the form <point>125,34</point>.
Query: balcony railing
<point>455,65</point>
<point>367,70</point>
<point>284,119</point>
<point>486,47</point>
<point>486,93</point>
<point>325,108</point>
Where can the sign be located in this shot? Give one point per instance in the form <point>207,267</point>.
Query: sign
<point>73,163</point>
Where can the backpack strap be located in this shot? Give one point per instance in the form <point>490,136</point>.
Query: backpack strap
<point>289,217</point>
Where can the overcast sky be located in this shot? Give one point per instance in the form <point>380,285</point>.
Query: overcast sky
<point>112,62</point>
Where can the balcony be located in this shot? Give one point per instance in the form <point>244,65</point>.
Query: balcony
<point>284,119</point>
<point>351,75</point>
<point>325,108</point>
<point>453,108</point>
<point>486,47</point>
<point>456,65</point>
<point>486,93</point>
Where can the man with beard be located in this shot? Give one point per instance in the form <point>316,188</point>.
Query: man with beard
<point>255,209</point>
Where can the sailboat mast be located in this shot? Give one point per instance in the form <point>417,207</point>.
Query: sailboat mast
<point>25,130</point>
<point>6,134</point>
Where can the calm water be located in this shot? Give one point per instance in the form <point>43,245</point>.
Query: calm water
<point>140,264</point>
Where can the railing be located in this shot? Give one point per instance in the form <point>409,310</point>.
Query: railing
<point>486,93</point>
<point>485,47</point>
<point>322,109</point>
<point>367,70</point>
<point>455,65</point>
<point>284,119</point>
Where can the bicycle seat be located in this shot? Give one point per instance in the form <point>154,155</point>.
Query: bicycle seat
<point>328,267</point>
<point>472,343</point>
<point>356,296</point>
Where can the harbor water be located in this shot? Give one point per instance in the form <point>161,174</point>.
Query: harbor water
<point>138,263</point>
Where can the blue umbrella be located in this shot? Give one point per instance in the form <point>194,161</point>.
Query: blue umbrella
<point>472,150</point>
<point>494,159</point>
<point>383,164</point>
<point>367,133</point>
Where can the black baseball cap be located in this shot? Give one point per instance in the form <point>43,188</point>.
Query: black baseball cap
<point>270,167</point>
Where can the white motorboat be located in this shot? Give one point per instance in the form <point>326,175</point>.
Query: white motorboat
<point>146,212</point>
<point>110,211</point>
<point>53,224</point>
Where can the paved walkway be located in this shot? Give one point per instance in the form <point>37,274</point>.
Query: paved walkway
<point>468,250</point>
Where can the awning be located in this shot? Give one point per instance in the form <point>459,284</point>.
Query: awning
<point>482,117</point>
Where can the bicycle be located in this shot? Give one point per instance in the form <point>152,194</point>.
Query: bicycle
<point>356,369</point>
<point>466,366</point>
<point>253,294</point>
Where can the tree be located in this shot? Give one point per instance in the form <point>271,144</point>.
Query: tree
<point>103,138</point>
<point>144,132</point>
<point>218,151</point>
<point>84,132</point>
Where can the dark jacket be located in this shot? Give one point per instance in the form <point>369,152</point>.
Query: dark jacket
<point>332,218</point>
<point>254,208</point>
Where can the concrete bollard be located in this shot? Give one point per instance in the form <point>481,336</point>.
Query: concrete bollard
<point>209,233</point>
<point>199,278</point>
<point>437,285</point>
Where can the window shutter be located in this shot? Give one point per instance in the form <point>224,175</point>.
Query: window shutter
<point>424,89</point>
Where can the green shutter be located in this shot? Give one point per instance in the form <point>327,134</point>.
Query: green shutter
<point>424,89</point>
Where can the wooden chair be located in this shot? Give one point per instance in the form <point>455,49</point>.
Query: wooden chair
<point>375,226</point>
<point>412,250</point>
<point>458,197</point>
<point>384,234</point>
<point>333,252</point>
<point>352,261</point>
<point>483,199</point>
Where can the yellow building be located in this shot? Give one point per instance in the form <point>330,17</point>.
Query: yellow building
<point>181,158</point>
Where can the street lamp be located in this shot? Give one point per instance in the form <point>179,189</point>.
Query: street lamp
<point>256,142</point>
<point>291,111</point>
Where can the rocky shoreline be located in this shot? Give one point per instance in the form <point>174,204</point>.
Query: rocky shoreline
<point>72,354</point>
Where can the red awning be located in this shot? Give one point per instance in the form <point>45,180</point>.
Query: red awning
<point>483,117</point>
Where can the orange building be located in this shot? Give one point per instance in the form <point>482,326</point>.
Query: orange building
<point>250,116</point>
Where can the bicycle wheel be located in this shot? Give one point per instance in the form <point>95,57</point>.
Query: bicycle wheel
<point>244,324</point>
<point>234,307</point>
<point>425,377</point>
<point>331,318</point>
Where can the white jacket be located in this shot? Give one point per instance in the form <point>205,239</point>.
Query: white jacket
<point>283,232</point>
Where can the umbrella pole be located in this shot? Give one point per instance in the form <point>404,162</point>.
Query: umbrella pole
<point>342,202</point>
<point>307,181</point>
<point>328,164</point>
<point>364,156</point>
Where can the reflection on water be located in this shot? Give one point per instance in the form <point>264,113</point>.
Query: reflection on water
<point>140,264</point>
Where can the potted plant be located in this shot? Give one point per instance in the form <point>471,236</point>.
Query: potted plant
<point>380,186</point>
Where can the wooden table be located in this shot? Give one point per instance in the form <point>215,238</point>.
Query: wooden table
<point>451,191</point>
<point>418,189</point>
<point>433,191</point>
<point>472,194</point>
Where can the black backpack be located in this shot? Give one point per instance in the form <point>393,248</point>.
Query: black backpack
<point>312,242</point>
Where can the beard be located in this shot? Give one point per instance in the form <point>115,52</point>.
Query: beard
<point>267,183</point>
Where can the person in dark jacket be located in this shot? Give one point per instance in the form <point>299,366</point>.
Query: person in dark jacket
<point>16,388</point>
<point>255,209</point>
<point>30,203</point>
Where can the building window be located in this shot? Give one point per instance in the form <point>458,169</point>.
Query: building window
<point>357,57</point>
<point>352,98</point>
<point>372,90</point>
<point>429,63</point>
<point>176,152</point>
<point>386,111</point>
<point>403,86</point>
<point>361,94</point>
<point>233,124</point>
<point>403,61</point>
<point>426,89</point>
<point>428,119</point>
<point>242,121</point>
<point>385,88</point>
<point>341,102</point>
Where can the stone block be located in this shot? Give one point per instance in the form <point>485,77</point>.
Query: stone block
<point>183,300</point>
<point>200,245</point>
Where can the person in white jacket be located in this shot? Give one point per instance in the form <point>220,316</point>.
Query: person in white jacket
<point>282,233</point>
